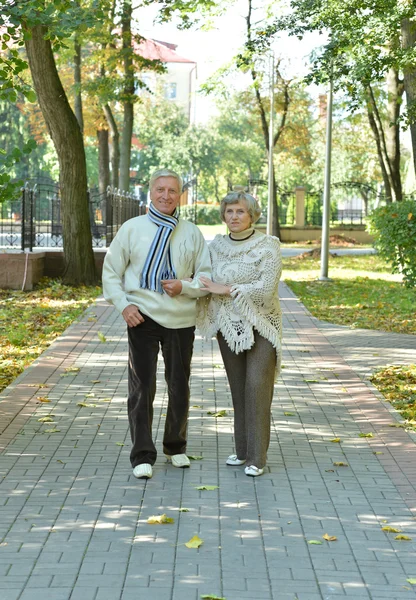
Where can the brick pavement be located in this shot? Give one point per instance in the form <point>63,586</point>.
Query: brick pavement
<point>73,519</point>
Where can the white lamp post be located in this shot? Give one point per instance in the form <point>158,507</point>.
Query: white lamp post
<point>270,201</point>
<point>327,188</point>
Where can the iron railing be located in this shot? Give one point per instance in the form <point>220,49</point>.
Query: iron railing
<point>34,220</point>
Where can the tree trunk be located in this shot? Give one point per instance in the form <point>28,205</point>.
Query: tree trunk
<point>67,138</point>
<point>128,93</point>
<point>394,99</point>
<point>115,146</point>
<point>381,158</point>
<point>265,126</point>
<point>408,29</point>
<point>103,161</point>
<point>77,81</point>
<point>387,137</point>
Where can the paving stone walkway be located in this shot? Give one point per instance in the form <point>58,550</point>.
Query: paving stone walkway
<point>74,520</point>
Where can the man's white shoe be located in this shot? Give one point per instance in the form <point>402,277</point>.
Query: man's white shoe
<point>143,471</point>
<point>234,461</point>
<point>180,461</point>
<point>253,471</point>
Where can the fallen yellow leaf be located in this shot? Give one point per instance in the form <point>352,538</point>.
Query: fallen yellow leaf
<point>48,419</point>
<point>194,542</point>
<point>43,399</point>
<point>390,529</point>
<point>329,538</point>
<point>340,464</point>
<point>404,538</point>
<point>220,413</point>
<point>160,520</point>
<point>207,487</point>
<point>101,337</point>
<point>335,440</point>
<point>365,435</point>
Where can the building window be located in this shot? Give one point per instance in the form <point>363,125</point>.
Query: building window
<point>170,91</point>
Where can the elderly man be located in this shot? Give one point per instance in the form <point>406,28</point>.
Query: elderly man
<point>151,275</point>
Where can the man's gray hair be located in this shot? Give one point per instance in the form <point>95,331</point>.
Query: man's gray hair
<point>165,173</point>
<point>238,195</point>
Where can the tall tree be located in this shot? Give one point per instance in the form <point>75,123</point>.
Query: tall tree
<point>127,95</point>
<point>41,23</point>
<point>363,52</point>
<point>67,137</point>
<point>408,37</point>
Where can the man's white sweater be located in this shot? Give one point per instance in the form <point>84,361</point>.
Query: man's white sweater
<point>124,262</point>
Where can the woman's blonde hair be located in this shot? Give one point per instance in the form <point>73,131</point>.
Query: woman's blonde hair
<point>238,195</point>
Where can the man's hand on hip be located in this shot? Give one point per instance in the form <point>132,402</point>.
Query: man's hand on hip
<point>132,316</point>
<point>172,287</point>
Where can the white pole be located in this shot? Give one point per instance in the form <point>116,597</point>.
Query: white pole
<point>270,202</point>
<point>327,188</point>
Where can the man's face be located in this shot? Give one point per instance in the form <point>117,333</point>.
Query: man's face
<point>165,194</point>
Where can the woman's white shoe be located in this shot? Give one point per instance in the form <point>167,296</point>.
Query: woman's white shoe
<point>234,461</point>
<point>253,471</point>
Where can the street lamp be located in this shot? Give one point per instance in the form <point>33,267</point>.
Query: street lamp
<point>327,187</point>
<point>270,200</point>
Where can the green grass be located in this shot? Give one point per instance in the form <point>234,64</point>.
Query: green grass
<point>30,321</point>
<point>362,292</point>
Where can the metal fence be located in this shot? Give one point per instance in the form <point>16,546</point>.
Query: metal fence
<point>34,220</point>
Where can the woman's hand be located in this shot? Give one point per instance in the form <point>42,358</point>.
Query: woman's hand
<point>214,288</point>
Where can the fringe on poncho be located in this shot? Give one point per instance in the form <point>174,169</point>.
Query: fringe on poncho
<point>253,270</point>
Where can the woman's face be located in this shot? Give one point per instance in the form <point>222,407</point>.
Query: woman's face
<point>237,217</point>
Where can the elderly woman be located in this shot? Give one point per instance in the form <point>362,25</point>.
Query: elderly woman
<point>244,312</point>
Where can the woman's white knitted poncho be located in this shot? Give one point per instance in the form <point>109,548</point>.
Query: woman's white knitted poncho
<point>253,270</point>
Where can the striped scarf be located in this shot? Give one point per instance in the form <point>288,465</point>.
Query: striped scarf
<point>158,264</point>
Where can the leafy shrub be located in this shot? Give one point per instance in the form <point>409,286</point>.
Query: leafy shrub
<point>206,214</point>
<point>394,229</point>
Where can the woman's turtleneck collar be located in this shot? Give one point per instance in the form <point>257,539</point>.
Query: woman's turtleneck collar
<point>241,236</point>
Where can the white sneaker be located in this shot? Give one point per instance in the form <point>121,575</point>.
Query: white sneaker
<point>143,471</point>
<point>180,461</point>
<point>234,461</point>
<point>253,471</point>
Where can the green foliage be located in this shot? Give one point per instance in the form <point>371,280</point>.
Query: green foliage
<point>394,229</point>
<point>203,214</point>
<point>9,189</point>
